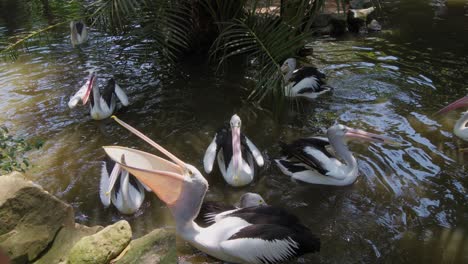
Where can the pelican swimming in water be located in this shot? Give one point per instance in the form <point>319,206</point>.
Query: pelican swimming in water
<point>235,154</point>
<point>461,126</point>
<point>121,188</point>
<point>78,33</point>
<point>327,161</point>
<point>101,105</point>
<point>303,82</point>
<point>210,210</point>
<point>258,234</point>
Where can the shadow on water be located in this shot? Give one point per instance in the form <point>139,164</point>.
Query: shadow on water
<point>409,202</point>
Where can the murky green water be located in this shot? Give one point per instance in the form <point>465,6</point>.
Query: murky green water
<point>409,203</point>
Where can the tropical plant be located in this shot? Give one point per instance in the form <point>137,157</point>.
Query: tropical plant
<point>254,30</point>
<point>12,152</point>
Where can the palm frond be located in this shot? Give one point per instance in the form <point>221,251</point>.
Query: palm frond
<point>167,26</point>
<point>269,40</point>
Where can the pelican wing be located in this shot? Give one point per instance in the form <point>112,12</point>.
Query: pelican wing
<point>310,151</point>
<point>136,193</point>
<point>209,211</point>
<point>253,150</point>
<point>121,95</point>
<point>78,95</point>
<point>267,243</point>
<point>306,72</point>
<point>104,186</point>
<point>211,151</point>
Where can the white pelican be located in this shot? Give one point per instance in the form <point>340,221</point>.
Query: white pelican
<point>319,160</point>
<point>101,105</point>
<point>127,194</point>
<point>259,234</point>
<point>303,82</point>
<point>461,126</point>
<point>78,33</point>
<point>235,154</point>
<point>209,209</point>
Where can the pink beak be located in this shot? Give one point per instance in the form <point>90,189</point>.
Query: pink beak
<point>462,102</point>
<point>361,134</point>
<point>236,148</point>
<point>91,82</point>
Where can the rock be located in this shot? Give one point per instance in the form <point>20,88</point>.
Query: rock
<point>156,247</point>
<point>29,218</point>
<point>374,25</point>
<point>66,238</point>
<point>102,246</point>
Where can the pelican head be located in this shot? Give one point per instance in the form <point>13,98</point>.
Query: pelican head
<point>461,126</point>
<point>343,131</point>
<point>251,199</point>
<point>288,66</point>
<point>178,184</point>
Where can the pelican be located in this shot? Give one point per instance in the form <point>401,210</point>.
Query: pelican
<point>259,234</point>
<point>127,194</point>
<point>209,210</point>
<point>326,161</point>
<point>235,154</point>
<point>461,126</point>
<point>79,33</point>
<point>303,82</point>
<point>101,105</point>
<point>358,19</point>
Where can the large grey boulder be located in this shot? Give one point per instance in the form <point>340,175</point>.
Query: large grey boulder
<point>66,238</point>
<point>156,247</point>
<point>103,246</point>
<point>29,218</point>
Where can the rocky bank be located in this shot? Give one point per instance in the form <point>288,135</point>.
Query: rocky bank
<point>36,227</point>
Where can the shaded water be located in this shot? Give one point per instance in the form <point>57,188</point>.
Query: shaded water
<point>409,202</point>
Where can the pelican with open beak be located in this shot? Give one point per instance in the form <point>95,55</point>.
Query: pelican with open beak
<point>234,238</point>
<point>102,105</point>
<point>461,126</point>
<point>327,161</point>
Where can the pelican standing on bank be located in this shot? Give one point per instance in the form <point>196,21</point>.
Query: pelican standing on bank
<point>327,161</point>
<point>78,33</point>
<point>259,234</point>
<point>303,82</point>
<point>235,154</point>
<point>101,105</point>
<point>121,188</point>
<point>461,126</point>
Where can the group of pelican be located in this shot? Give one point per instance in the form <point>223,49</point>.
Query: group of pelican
<point>253,232</point>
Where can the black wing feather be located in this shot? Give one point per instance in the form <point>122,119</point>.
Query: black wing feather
<point>266,214</point>
<point>109,91</point>
<point>297,150</point>
<point>306,72</point>
<point>306,241</point>
<point>208,208</point>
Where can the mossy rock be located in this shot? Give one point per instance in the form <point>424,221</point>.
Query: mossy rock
<point>66,238</point>
<point>155,247</point>
<point>103,246</point>
<point>29,218</point>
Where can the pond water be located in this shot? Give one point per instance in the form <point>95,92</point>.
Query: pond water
<point>409,204</point>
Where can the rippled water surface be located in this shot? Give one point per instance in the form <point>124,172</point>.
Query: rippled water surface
<point>409,203</point>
